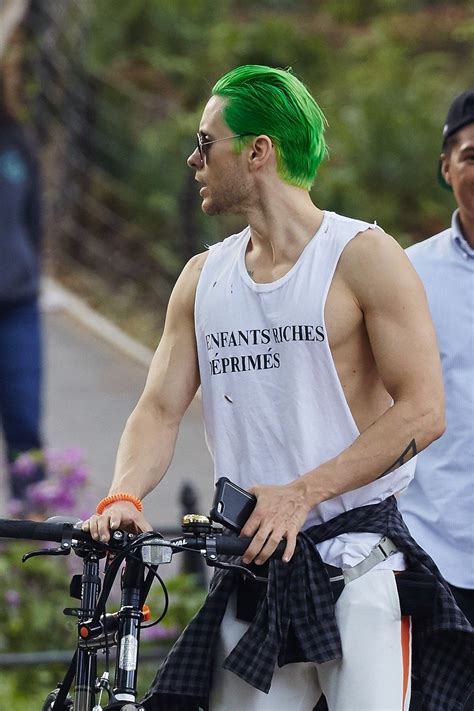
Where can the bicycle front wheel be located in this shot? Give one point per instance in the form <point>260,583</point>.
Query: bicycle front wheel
<point>51,698</point>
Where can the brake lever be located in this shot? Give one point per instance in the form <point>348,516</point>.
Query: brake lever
<point>64,548</point>
<point>47,551</point>
<point>236,566</point>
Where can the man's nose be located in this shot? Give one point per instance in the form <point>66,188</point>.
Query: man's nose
<point>194,160</point>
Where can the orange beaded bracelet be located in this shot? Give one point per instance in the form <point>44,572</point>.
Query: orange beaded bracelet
<point>103,503</point>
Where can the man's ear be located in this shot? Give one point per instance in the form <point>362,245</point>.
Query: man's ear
<point>261,150</point>
<point>445,168</point>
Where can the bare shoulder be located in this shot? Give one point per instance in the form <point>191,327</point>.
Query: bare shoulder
<point>197,262</point>
<point>374,266</point>
<point>193,268</point>
<point>184,292</point>
<point>370,247</point>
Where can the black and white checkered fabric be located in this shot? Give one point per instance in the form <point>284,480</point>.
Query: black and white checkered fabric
<point>296,622</point>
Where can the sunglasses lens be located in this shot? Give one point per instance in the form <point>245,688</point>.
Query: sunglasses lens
<point>199,147</point>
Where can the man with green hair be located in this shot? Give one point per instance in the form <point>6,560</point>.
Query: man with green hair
<point>310,336</point>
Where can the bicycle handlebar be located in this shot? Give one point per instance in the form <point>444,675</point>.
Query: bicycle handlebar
<point>40,531</point>
<point>49,531</point>
<point>230,545</point>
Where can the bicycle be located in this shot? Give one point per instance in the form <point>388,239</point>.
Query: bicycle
<point>139,557</point>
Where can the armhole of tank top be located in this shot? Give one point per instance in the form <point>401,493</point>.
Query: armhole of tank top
<point>342,247</point>
<point>211,250</point>
<point>324,300</point>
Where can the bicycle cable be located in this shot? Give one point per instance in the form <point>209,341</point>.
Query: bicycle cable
<point>112,572</point>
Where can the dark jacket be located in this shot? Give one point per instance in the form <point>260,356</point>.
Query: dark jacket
<point>20,215</point>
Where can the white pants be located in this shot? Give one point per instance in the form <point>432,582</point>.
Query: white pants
<point>373,674</point>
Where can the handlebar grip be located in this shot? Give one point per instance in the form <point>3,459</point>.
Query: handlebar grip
<point>38,531</point>
<point>230,545</point>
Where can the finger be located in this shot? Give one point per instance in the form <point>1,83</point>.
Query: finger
<point>256,545</point>
<point>136,524</point>
<point>103,527</point>
<point>269,548</point>
<point>290,546</point>
<point>139,524</point>
<point>251,525</point>
<point>144,525</point>
<point>93,527</point>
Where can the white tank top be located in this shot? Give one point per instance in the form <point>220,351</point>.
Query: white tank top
<point>273,405</point>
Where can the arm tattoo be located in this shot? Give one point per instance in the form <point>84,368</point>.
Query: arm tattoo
<point>407,454</point>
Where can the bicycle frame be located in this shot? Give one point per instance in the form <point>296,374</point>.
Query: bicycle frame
<point>97,631</point>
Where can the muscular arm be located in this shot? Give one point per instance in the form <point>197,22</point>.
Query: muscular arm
<point>401,334</point>
<point>392,300</point>
<point>147,443</point>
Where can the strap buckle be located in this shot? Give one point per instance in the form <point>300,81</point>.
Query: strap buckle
<point>386,547</point>
<point>383,550</point>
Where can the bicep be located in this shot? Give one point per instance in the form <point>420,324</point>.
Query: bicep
<point>398,321</point>
<point>173,378</point>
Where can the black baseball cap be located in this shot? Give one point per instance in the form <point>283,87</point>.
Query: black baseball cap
<point>460,114</point>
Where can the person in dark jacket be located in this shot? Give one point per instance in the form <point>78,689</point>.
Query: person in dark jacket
<point>20,327</point>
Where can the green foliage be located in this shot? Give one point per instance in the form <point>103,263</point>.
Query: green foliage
<point>384,81</point>
<point>185,599</point>
<point>31,602</point>
<point>32,599</point>
<point>384,72</point>
<point>20,698</point>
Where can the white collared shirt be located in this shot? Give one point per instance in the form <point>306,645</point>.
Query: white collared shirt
<point>438,506</point>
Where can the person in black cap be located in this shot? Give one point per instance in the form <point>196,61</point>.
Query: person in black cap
<point>438,504</point>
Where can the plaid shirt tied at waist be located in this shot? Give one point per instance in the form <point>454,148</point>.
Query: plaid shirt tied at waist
<point>295,622</point>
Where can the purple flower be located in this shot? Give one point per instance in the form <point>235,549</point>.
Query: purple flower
<point>42,495</point>
<point>77,477</point>
<point>64,500</point>
<point>62,488</point>
<point>160,632</point>
<point>63,460</point>
<point>25,465</point>
<point>15,508</point>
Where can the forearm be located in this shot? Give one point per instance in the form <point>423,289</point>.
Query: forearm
<point>391,441</point>
<point>145,452</point>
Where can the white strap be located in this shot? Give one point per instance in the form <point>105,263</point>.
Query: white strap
<point>383,550</point>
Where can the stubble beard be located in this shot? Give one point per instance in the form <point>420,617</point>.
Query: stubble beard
<point>230,197</point>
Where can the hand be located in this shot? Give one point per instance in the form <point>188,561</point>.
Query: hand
<point>280,512</point>
<point>121,514</point>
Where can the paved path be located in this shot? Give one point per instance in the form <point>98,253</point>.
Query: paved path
<point>92,384</point>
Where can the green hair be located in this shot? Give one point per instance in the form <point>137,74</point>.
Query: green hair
<point>264,100</point>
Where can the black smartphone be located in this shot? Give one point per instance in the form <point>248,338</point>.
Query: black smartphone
<point>231,505</point>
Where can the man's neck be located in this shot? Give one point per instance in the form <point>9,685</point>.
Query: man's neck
<point>466,223</point>
<point>282,223</point>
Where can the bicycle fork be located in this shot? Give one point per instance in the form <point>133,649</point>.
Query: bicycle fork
<point>129,619</point>
<point>123,628</point>
<point>86,665</point>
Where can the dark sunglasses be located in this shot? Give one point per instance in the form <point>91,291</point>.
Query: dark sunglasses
<point>202,145</point>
